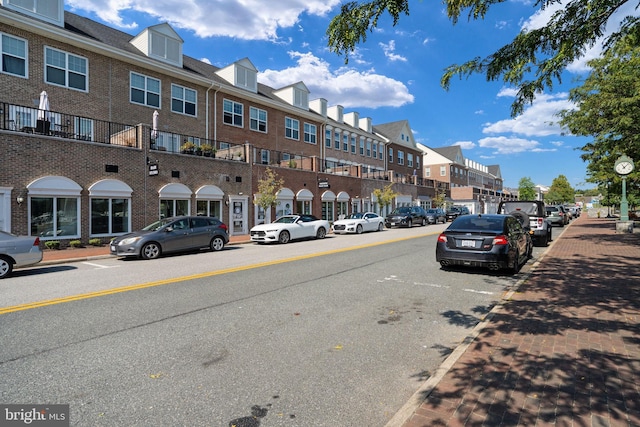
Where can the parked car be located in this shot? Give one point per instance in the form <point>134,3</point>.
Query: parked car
<point>556,215</point>
<point>490,241</point>
<point>290,227</point>
<point>530,212</point>
<point>406,216</point>
<point>358,223</point>
<point>436,215</point>
<point>18,251</point>
<point>455,211</point>
<point>175,234</point>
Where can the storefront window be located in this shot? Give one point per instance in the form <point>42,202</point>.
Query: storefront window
<point>54,216</point>
<point>109,216</point>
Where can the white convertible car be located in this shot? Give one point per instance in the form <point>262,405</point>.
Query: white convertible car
<point>290,227</point>
<point>359,223</point>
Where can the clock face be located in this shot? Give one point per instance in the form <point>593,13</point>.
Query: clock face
<point>624,168</point>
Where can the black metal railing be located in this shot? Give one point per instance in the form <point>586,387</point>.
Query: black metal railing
<point>31,120</point>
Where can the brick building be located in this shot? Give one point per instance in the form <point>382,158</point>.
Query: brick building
<point>111,154</point>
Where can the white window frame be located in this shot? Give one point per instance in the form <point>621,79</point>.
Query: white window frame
<point>410,160</point>
<point>291,128</point>
<point>354,140</point>
<point>401,157</point>
<point>68,68</point>
<point>328,133</point>
<point>16,55</point>
<point>182,98</point>
<point>390,155</point>
<point>256,122</point>
<point>145,90</point>
<point>443,171</point>
<point>310,133</point>
<point>231,115</point>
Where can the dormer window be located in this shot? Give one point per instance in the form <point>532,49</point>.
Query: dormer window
<point>160,42</point>
<point>301,98</point>
<point>241,74</point>
<point>246,78</point>
<point>46,10</point>
<point>162,47</point>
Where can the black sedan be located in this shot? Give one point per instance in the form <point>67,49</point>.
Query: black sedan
<point>176,234</point>
<point>491,241</point>
<point>406,216</point>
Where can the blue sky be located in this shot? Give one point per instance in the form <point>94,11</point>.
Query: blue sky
<point>395,75</point>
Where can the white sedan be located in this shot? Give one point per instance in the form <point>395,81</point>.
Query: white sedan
<point>290,227</point>
<point>359,223</point>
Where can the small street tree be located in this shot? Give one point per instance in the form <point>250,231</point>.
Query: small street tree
<point>560,191</point>
<point>384,196</point>
<point>440,199</point>
<point>526,189</point>
<point>268,187</point>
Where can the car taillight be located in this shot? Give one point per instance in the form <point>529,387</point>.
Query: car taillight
<point>500,240</point>
<point>442,238</point>
<point>539,222</point>
<point>36,242</point>
<point>224,226</point>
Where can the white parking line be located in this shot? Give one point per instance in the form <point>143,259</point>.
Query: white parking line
<point>99,265</point>
<point>478,292</point>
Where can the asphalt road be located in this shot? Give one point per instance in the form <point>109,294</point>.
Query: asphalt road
<point>337,332</point>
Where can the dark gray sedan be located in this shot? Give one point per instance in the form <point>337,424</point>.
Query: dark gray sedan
<point>490,241</point>
<point>176,234</point>
<point>18,251</point>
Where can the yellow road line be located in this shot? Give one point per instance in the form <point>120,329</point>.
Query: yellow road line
<point>78,297</point>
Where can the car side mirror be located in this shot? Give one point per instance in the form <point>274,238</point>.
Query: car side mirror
<point>168,229</point>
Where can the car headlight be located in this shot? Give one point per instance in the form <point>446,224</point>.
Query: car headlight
<point>275,230</point>
<point>129,241</point>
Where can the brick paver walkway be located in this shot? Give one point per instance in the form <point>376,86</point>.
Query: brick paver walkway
<point>563,350</point>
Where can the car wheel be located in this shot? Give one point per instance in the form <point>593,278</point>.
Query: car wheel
<point>359,229</point>
<point>6,267</point>
<point>410,223</point>
<point>284,237</point>
<point>424,222</point>
<point>151,250</point>
<point>380,227</point>
<point>217,244</point>
<point>321,233</point>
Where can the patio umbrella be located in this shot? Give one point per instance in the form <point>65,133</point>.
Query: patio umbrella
<point>43,124</point>
<point>43,107</point>
<point>154,131</point>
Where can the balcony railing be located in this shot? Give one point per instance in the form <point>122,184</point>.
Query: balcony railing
<point>31,120</point>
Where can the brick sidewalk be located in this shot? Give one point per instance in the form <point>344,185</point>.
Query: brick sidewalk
<point>563,350</point>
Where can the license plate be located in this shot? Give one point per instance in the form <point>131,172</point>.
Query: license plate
<point>468,243</point>
<point>393,223</point>
<point>113,248</point>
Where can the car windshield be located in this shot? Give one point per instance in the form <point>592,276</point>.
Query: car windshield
<point>157,225</point>
<point>431,211</point>
<point>526,207</point>
<point>285,220</point>
<point>355,216</point>
<point>403,210</point>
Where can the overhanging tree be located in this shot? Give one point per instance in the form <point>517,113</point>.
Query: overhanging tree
<point>560,191</point>
<point>608,109</point>
<point>532,62</point>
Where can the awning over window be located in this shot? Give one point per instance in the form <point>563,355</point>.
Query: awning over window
<point>54,186</point>
<point>110,188</point>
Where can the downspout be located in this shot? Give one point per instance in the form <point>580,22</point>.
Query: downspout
<point>215,127</point>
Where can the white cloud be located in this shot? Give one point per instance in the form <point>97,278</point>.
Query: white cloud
<point>505,145</point>
<point>389,51</point>
<point>345,86</point>
<point>539,119</point>
<point>465,145</point>
<point>243,19</point>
